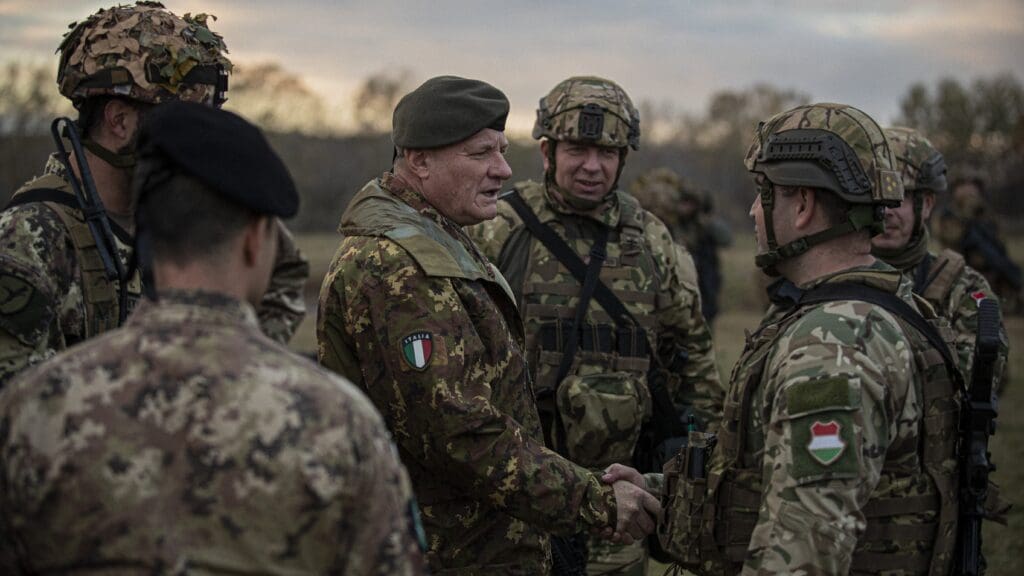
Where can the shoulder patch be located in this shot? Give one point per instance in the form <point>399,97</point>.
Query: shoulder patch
<point>823,444</point>
<point>419,349</point>
<point>24,311</point>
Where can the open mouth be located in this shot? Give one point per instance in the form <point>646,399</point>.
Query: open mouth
<point>491,194</point>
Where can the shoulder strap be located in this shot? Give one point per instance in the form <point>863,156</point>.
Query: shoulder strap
<point>567,256</point>
<point>64,199</point>
<point>834,291</point>
<point>942,274</point>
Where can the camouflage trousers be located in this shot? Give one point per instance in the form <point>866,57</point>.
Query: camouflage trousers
<point>608,559</point>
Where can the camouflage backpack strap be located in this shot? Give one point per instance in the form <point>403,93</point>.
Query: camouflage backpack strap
<point>942,389</point>
<point>99,293</point>
<point>631,227</point>
<point>942,275</point>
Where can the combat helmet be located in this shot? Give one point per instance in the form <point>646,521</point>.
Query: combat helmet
<point>589,110</point>
<point>833,147</point>
<point>922,166</point>
<point>658,191</point>
<point>145,53</point>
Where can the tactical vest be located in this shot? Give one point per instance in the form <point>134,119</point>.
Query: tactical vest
<point>99,293</point>
<point>709,521</point>
<point>604,401</point>
<point>934,278</point>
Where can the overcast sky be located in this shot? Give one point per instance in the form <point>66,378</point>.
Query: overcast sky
<point>863,52</point>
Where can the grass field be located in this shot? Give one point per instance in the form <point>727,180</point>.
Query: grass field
<point>740,310</point>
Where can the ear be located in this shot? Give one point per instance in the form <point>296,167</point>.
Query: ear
<point>419,162</point>
<point>255,236</point>
<point>927,205</point>
<point>119,120</point>
<point>545,146</point>
<point>804,203</point>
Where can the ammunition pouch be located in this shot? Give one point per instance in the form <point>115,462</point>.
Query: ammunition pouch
<point>602,415</point>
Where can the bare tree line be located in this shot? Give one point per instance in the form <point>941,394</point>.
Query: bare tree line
<point>979,127</point>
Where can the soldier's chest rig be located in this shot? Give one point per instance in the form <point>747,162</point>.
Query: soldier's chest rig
<point>590,369</point>
<point>101,294</point>
<point>934,277</point>
<point>911,517</point>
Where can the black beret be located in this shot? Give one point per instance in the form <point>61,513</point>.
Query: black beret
<point>221,150</point>
<point>445,110</point>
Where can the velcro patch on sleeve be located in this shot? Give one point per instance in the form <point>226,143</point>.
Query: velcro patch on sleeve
<point>824,446</point>
<point>24,311</point>
<point>822,395</point>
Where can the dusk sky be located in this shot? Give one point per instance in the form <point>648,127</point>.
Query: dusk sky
<point>864,53</point>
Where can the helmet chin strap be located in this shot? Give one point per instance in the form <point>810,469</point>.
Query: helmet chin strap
<point>858,217</point>
<point>124,161</point>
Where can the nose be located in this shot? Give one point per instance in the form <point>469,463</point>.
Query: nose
<point>501,169</point>
<point>754,205</point>
<point>592,160</point>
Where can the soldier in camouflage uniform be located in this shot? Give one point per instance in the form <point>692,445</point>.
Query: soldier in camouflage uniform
<point>413,312</point>
<point>952,287</point>
<point>836,451</point>
<point>687,213</point>
<point>54,288</point>
<point>594,394</point>
<point>187,441</point>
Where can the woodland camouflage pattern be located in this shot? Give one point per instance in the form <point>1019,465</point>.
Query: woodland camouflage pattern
<point>671,317</point>
<point>955,288</point>
<point>856,128</point>
<point>42,303</point>
<point>134,38</point>
<point>563,105</point>
<point>465,421</point>
<point>843,362</point>
<point>188,442</point>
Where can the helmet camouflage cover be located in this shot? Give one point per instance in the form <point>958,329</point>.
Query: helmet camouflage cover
<point>143,52</point>
<point>830,146</point>
<point>658,191</point>
<point>922,166</point>
<point>588,109</point>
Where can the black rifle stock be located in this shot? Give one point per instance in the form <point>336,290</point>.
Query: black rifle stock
<point>976,238</point>
<point>976,426</point>
<point>92,208</point>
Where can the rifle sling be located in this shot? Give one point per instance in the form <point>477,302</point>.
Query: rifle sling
<point>66,199</point>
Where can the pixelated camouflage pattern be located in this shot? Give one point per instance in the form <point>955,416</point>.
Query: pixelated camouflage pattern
<point>558,117</point>
<point>188,442</point>
<point>466,423</point>
<point>40,258</point>
<point>912,151</point>
<point>807,517</point>
<point>133,38</point>
<point>856,128</point>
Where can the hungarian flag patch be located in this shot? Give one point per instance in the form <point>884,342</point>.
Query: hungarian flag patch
<point>418,349</point>
<point>978,297</point>
<point>826,446</point>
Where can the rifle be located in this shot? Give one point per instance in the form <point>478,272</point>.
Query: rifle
<point>977,424</point>
<point>92,208</point>
<point>993,252</point>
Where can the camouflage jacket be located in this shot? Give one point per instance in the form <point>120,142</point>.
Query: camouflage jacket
<point>826,410</point>
<point>189,442</point>
<point>662,295</point>
<point>412,312</point>
<point>44,307</point>
<point>955,291</point>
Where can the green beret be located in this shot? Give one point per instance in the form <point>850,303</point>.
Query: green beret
<point>445,110</point>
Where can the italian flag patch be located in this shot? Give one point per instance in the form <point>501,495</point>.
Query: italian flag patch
<point>826,446</point>
<point>417,349</point>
